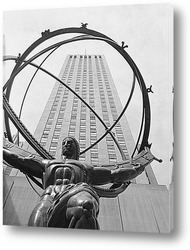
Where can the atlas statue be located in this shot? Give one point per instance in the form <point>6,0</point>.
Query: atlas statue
<point>69,199</point>
<point>71,188</point>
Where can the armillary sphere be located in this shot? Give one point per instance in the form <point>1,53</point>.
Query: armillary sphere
<point>25,59</point>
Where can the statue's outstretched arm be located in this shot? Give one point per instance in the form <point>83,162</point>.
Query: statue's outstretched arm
<point>123,172</point>
<point>102,175</point>
<point>28,165</point>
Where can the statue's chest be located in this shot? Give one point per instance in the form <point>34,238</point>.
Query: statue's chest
<point>71,172</point>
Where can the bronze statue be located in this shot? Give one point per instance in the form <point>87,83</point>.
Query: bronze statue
<point>71,188</point>
<point>70,199</point>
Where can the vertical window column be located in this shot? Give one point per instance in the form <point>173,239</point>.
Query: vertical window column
<point>109,141</point>
<point>118,129</point>
<point>63,97</point>
<point>82,130</point>
<point>93,130</point>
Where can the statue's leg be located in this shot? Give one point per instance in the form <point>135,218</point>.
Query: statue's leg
<point>76,207</point>
<point>39,216</point>
<point>82,211</point>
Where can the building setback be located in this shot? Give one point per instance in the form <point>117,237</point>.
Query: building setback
<point>145,205</point>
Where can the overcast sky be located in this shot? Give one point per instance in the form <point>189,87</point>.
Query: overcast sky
<point>146,29</point>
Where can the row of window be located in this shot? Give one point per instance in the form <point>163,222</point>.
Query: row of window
<point>66,69</point>
<point>93,130</point>
<point>62,107</point>
<point>119,132</point>
<point>82,131</point>
<point>110,144</point>
<point>84,56</point>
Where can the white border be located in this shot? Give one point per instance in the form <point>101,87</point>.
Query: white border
<point>27,238</point>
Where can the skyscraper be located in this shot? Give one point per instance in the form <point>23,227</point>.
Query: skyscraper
<point>66,115</point>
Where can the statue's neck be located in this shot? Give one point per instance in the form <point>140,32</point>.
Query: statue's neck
<point>65,159</point>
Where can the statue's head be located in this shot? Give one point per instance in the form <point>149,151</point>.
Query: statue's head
<point>70,148</point>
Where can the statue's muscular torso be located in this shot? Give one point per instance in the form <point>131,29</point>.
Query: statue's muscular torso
<point>72,170</point>
<point>75,172</point>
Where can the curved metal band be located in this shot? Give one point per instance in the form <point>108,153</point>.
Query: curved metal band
<point>97,36</point>
<point>23,132</point>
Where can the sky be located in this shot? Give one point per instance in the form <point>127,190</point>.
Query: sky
<point>146,29</point>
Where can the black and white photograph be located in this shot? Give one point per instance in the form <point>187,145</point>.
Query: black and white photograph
<point>88,120</point>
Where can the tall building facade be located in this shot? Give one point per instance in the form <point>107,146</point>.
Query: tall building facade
<point>145,205</point>
<point>66,115</point>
